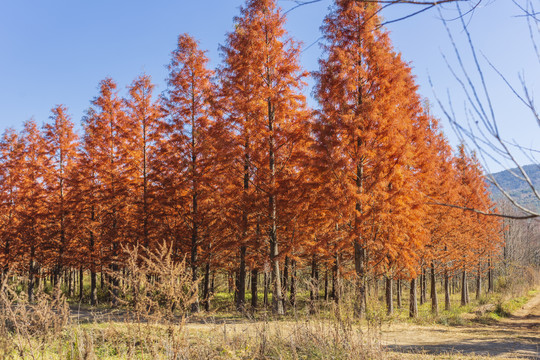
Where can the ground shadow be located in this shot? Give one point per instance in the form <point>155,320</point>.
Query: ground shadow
<point>520,348</point>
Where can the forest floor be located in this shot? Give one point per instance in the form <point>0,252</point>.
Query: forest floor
<point>516,336</point>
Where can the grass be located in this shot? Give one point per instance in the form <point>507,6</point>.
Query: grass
<point>157,295</point>
<point>299,336</point>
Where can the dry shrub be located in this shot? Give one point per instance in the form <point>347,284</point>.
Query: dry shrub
<point>30,328</point>
<point>155,287</point>
<point>518,281</point>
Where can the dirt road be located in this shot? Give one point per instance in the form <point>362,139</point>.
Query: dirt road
<point>515,337</point>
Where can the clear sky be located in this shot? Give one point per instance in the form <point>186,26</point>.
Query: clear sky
<point>56,51</point>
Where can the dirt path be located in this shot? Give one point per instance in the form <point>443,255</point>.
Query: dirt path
<point>515,337</point>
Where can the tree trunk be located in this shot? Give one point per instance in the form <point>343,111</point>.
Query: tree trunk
<point>464,289</point>
<point>423,287</point>
<point>81,283</point>
<point>93,287</point>
<point>413,305</point>
<point>434,299</point>
<point>254,293</point>
<point>359,259</point>
<point>206,286</point>
<point>31,282</point>
<point>399,298</point>
<point>490,277</point>
<point>285,289</point>
<point>194,245</point>
<point>31,275</point>
<point>102,279</point>
<point>293,283</point>
<point>326,284</point>
<point>335,280</point>
<point>478,284</point>
<point>240,291</point>
<point>447,305</point>
<point>212,287</point>
<point>265,298</point>
<point>285,277</point>
<point>314,286</point>
<point>68,274</point>
<point>389,296</point>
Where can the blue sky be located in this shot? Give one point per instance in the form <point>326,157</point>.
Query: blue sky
<point>56,51</point>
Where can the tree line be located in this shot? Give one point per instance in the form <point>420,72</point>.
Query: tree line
<point>232,169</point>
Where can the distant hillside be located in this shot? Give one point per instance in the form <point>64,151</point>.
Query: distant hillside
<point>518,188</point>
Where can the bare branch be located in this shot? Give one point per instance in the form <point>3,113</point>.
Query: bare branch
<point>505,216</point>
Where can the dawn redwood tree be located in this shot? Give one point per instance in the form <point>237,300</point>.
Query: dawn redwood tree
<point>440,221</point>
<point>141,138</point>
<point>88,208</point>
<point>61,151</point>
<point>241,108</point>
<point>188,155</point>
<point>10,178</point>
<point>365,131</point>
<point>32,206</point>
<point>105,159</point>
<point>263,80</point>
<point>479,237</point>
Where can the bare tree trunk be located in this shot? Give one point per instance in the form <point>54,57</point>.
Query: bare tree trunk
<point>447,304</point>
<point>284,283</point>
<point>314,286</point>
<point>293,283</point>
<point>93,287</point>
<point>212,288</point>
<point>359,259</point>
<point>254,292</point>
<point>326,294</point>
<point>423,287</point>
<point>399,290</point>
<point>490,277</point>
<point>31,275</point>
<point>240,289</point>
<point>464,289</point>
<point>478,284</point>
<point>68,274</point>
<point>335,279</point>
<point>81,283</point>
<point>434,299</point>
<point>206,286</point>
<point>389,296</point>
<point>413,305</point>
<point>102,279</point>
<point>265,298</point>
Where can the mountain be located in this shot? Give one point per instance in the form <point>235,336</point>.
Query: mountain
<point>519,189</point>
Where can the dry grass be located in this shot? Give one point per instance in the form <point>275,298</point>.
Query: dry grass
<point>30,329</point>
<point>155,294</point>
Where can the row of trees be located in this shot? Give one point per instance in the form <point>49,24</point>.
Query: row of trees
<point>233,170</point>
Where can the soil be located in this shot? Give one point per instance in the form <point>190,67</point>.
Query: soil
<point>517,336</point>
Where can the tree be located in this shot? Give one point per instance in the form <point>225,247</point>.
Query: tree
<point>61,152</point>
<point>32,205</point>
<point>365,130</point>
<point>423,5</point>
<point>11,153</point>
<point>142,136</point>
<point>269,114</point>
<point>104,158</point>
<point>188,156</point>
